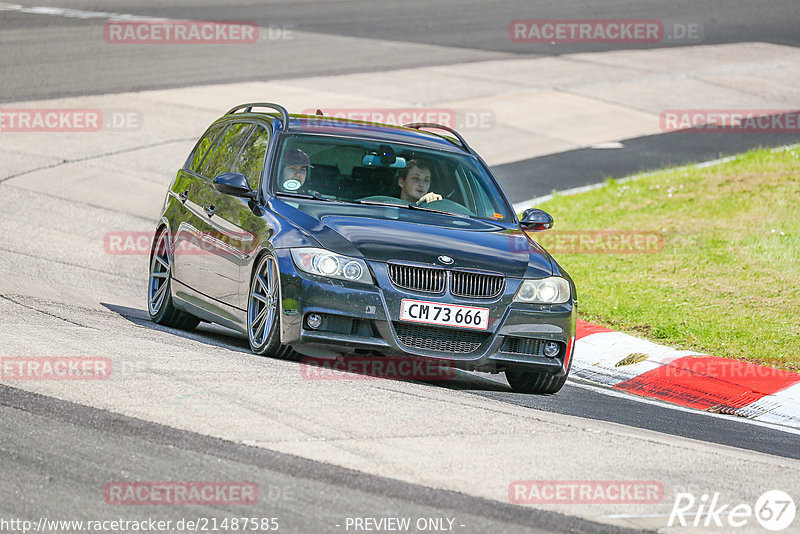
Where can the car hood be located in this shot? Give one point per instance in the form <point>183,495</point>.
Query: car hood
<point>471,243</point>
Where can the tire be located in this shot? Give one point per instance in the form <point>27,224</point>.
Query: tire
<point>263,329</point>
<point>536,383</point>
<point>159,296</point>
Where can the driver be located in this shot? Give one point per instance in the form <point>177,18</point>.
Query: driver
<point>415,183</point>
<point>295,170</point>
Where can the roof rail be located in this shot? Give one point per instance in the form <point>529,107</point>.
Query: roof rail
<point>419,125</point>
<point>280,109</point>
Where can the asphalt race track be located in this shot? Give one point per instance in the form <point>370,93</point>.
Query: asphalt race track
<point>197,406</point>
<point>65,65</point>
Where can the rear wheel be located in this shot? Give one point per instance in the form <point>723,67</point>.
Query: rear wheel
<point>262,311</point>
<point>159,298</point>
<point>532,382</point>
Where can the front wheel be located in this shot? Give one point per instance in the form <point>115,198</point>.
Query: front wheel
<point>262,311</point>
<point>159,298</point>
<point>532,382</point>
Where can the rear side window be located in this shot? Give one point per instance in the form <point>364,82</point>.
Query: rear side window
<point>251,159</point>
<point>202,148</point>
<point>221,159</point>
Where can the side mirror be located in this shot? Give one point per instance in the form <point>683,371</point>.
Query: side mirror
<point>233,183</point>
<point>536,220</point>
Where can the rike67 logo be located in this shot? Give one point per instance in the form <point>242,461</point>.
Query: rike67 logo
<point>774,510</point>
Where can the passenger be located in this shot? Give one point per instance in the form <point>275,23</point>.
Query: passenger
<point>295,170</point>
<point>415,183</point>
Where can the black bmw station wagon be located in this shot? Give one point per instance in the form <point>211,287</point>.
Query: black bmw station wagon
<point>331,238</point>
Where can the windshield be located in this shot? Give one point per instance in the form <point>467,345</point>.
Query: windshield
<point>371,172</point>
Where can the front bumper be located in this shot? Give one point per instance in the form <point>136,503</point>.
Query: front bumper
<point>361,319</point>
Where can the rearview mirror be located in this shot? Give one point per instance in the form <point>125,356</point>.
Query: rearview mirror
<point>536,220</point>
<point>233,183</point>
<point>378,160</point>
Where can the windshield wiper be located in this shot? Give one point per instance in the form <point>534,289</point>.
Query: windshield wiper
<point>314,195</point>
<point>424,208</point>
<point>407,205</point>
<point>380,203</point>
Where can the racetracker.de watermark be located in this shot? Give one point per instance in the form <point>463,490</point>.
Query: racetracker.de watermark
<point>730,120</point>
<point>364,368</point>
<point>78,120</point>
<point>586,492</point>
<point>598,242</point>
<point>137,243</point>
<point>693,367</point>
<point>192,32</point>
<point>147,524</point>
<point>460,119</point>
<point>180,493</point>
<point>632,31</point>
<point>54,368</point>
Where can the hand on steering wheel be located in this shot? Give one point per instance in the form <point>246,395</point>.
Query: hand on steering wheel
<point>429,197</point>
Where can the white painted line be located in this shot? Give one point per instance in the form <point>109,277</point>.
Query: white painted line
<point>639,516</point>
<point>644,516</point>
<point>711,163</point>
<point>611,145</point>
<point>264,32</point>
<point>80,14</point>
<point>522,206</point>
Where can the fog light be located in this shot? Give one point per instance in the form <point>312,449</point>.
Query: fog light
<point>551,349</point>
<point>314,320</point>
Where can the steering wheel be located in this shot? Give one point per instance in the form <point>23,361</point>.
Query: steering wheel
<point>446,204</point>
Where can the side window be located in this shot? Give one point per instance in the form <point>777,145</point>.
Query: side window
<point>251,159</point>
<point>202,148</point>
<point>220,159</point>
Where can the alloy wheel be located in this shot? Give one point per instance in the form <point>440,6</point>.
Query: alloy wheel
<point>159,275</point>
<point>263,304</point>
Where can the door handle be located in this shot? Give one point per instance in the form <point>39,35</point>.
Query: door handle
<point>183,196</point>
<point>209,210</point>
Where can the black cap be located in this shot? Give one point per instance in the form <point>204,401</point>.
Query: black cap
<point>296,157</point>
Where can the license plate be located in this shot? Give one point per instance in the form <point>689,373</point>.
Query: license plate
<point>419,311</point>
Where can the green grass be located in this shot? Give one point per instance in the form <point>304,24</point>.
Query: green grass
<point>727,280</point>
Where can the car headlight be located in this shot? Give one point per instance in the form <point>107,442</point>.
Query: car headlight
<point>551,290</point>
<point>326,263</point>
